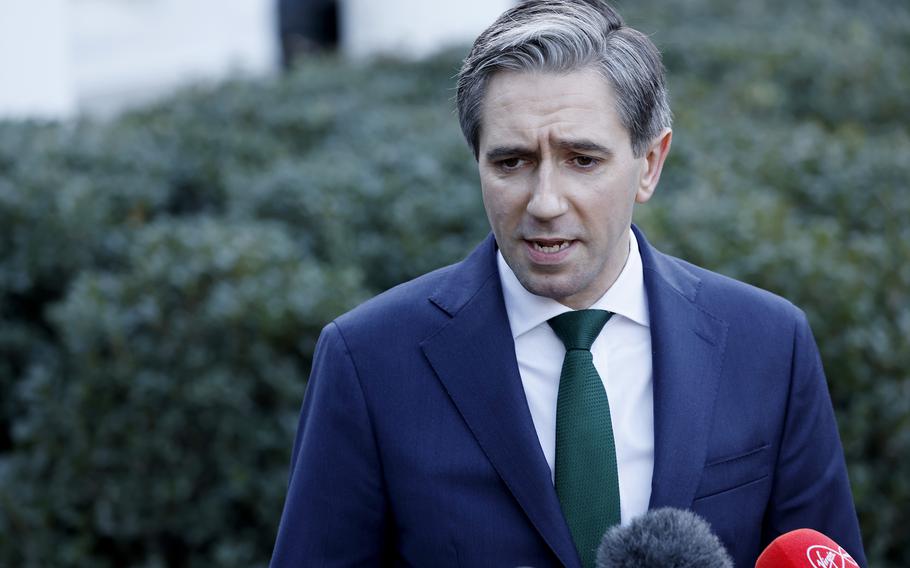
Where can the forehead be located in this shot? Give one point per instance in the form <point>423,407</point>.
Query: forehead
<point>525,107</point>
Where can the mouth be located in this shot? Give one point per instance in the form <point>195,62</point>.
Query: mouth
<point>549,253</point>
<point>549,246</point>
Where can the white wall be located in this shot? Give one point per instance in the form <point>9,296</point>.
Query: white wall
<point>35,77</point>
<point>131,50</point>
<point>58,57</point>
<point>414,28</point>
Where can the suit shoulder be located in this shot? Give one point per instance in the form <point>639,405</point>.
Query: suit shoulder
<point>419,306</point>
<point>401,309</point>
<point>729,298</point>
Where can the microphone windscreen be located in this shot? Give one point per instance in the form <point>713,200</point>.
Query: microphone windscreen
<point>805,548</point>
<point>663,538</point>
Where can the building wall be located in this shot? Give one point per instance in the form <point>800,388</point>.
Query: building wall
<point>138,49</point>
<point>60,57</point>
<point>413,28</point>
<point>35,74</point>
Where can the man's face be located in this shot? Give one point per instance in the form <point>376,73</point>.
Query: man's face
<point>559,181</point>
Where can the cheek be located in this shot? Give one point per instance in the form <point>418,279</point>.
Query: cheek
<point>500,203</point>
<point>606,213</point>
<point>490,204</point>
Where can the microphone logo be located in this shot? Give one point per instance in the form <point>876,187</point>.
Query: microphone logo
<point>820,556</point>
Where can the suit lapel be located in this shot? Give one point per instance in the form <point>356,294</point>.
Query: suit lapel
<point>474,358</point>
<point>687,345</point>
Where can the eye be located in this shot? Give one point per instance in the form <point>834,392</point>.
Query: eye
<point>585,162</point>
<point>510,164</point>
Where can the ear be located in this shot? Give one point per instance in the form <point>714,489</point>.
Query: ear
<point>654,164</point>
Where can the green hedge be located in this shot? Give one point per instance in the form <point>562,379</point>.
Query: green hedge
<point>164,275</point>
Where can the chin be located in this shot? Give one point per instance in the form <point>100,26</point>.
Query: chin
<point>548,288</point>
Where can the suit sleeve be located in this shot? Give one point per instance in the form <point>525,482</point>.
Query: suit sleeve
<point>811,488</point>
<point>335,513</point>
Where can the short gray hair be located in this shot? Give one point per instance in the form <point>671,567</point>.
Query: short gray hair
<point>564,36</point>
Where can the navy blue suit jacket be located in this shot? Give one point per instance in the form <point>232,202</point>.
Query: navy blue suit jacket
<point>416,446</point>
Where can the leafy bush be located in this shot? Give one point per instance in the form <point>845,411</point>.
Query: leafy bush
<point>165,416</point>
<point>163,279</point>
<point>164,276</point>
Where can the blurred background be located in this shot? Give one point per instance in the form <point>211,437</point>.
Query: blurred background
<point>190,190</point>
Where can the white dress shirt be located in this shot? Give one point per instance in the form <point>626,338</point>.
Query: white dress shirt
<point>622,356</point>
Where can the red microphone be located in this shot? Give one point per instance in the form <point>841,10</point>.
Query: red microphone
<point>804,548</point>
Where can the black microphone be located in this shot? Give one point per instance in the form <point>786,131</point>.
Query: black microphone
<point>663,538</point>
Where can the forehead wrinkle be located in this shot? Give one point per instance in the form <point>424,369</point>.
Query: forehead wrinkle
<point>536,96</point>
<point>560,135</point>
<point>523,109</point>
<point>538,86</point>
<point>541,112</point>
<point>561,121</point>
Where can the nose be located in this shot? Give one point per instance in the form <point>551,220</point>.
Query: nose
<point>547,201</point>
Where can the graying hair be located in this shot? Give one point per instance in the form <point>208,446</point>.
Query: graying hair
<point>563,36</point>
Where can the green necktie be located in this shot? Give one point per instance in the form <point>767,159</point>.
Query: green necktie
<point>587,482</point>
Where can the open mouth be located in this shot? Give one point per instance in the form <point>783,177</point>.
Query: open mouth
<point>550,246</point>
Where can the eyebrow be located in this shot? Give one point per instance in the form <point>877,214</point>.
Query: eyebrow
<point>500,152</point>
<point>581,145</point>
<point>584,146</point>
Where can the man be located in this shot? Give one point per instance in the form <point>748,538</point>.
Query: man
<point>566,376</point>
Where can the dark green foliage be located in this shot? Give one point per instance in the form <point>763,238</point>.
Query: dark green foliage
<point>163,279</point>
<point>790,171</point>
<point>161,428</point>
<point>164,276</point>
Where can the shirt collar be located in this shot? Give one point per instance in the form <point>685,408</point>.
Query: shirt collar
<point>626,297</point>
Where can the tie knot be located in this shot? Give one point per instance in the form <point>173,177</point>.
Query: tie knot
<point>579,329</point>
